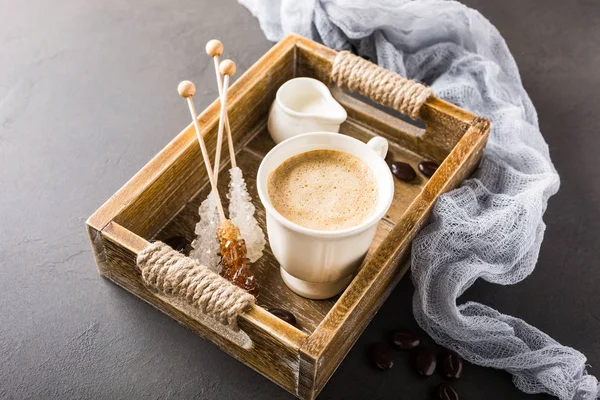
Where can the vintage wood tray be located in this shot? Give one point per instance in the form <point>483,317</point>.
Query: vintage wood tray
<point>162,200</point>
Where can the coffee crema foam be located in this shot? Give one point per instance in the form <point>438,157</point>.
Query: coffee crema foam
<point>325,190</point>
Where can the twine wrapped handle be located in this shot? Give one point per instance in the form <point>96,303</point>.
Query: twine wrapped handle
<point>172,273</point>
<point>379,84</point>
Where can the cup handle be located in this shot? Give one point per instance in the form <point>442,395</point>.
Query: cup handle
<point>380,145</point>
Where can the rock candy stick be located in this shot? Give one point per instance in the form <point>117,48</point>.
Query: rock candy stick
<point>232,246</point>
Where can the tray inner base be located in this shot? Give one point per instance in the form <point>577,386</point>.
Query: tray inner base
<point>274,293</point>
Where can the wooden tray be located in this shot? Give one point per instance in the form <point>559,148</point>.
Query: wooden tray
<point>162,200</point>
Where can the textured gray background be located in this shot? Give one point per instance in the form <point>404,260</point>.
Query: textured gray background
<point>87,97</point>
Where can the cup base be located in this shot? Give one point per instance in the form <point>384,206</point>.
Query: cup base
<point>314,290</point>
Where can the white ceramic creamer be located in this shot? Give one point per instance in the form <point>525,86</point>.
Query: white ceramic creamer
<point>304,105</point>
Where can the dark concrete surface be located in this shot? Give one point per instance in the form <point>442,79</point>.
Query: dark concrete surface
<point>87,97</point>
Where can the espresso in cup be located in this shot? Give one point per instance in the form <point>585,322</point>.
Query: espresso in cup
<point>325,190</point>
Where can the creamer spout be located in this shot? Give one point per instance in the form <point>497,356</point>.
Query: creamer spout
<point>304,105</point>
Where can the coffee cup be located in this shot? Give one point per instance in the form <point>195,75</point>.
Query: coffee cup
<point>319,264</point>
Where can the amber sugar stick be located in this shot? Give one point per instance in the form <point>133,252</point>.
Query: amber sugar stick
<point>233,248</point>
<point>205,247</point>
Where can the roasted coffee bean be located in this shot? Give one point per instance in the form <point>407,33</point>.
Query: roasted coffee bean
<point>381,355</point>
<point>284,315</point>
<point>446,392</point>
<point>403,339</point>
<point>452,365</point>
<point>425,361</point>
<point>403,171</point>
<point>428,168</point>
<point>177,243</point>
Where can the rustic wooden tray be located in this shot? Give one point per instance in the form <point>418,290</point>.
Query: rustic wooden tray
<point>162,200</point>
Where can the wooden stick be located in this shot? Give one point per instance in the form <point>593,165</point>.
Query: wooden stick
<point>227,68</point>
<point>187,90</point>
<point>214,49</point>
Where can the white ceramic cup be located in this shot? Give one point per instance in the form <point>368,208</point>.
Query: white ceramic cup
<point>320,264</point>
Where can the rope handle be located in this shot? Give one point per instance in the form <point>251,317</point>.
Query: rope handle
<point>379,84</point>
<point>171,273</point>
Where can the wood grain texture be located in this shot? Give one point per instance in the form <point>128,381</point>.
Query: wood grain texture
<point>97,244</point>
<point>162,200</point>
<point>273,349</point>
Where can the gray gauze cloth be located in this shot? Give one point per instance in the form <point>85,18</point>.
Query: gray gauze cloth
<point>489,228</point>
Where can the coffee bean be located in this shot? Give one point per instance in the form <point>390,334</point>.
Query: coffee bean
<point>403,339</point>
<point>425,361</point>
<point>178,243</point>
<point>381,355</point>
<point>403,171</point>
<point>452,365</point>
<point>446,392</point>
<point>284,315</point>
<point>428,168</point>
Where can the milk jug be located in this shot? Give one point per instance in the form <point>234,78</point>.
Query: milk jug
<point>304,105</point>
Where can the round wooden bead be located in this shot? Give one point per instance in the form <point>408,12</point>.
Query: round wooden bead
<point>214,48</point>
<point>186,89</point>
<point>227,67</point>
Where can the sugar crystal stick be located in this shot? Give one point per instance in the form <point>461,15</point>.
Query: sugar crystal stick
<point>232,246</point>
<point>241,209</point>
<point>205,248</point>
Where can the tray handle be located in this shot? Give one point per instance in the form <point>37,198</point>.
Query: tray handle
<point>171,273</point>
<point>379,84</point>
